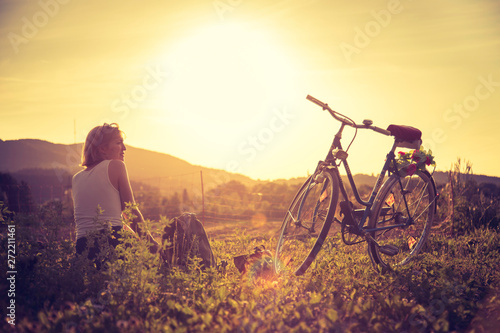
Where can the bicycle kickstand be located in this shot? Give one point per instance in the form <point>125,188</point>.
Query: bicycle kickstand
<point>389,250</point>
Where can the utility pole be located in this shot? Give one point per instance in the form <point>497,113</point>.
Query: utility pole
<point>202,199</point>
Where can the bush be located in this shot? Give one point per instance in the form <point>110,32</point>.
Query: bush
<point>468,205</point>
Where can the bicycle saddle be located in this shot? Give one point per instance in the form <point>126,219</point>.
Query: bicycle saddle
<point>405,133</point>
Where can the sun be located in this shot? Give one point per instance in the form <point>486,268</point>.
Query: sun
<point>224,81</point>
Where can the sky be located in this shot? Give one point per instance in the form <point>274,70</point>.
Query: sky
<point>223,83</point>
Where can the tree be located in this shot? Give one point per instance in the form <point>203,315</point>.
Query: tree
<point>17,197</point>
<point>172,208</point>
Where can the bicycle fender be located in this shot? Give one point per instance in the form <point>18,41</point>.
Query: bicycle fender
<point>427,173</point>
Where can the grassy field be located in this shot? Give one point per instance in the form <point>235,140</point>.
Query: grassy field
<point>255,230</point>
<point>451,286</point>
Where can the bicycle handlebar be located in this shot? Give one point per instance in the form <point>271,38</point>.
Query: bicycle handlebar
<point>376,129</point>
<point>344,120</point>
<point>325,106</point>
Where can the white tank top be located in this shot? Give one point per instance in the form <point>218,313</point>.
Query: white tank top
<point>92,189</point>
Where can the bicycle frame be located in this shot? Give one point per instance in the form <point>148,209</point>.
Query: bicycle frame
<point>331,162</point>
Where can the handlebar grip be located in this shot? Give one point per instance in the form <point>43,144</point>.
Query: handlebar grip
<point>381,130</point>
<point>316,101</point>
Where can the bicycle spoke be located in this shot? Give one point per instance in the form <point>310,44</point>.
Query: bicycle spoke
<point>305,225</point>
<point>426,209</point>
<point>421,195</point>
<point>412,202</point>
<point>291,216</point>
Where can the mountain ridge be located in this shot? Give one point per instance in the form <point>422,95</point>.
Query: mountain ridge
<point>168,173</point>
<point>143,165</point>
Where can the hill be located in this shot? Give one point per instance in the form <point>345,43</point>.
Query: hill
<point>42,164</point>
<point>31,159</point>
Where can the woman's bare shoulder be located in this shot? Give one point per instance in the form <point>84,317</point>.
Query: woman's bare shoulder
<point>117,167</point>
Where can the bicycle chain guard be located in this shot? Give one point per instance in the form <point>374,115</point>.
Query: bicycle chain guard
<point>350,231</point>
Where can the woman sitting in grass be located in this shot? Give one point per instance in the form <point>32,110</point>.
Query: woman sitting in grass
<point>101,191</point>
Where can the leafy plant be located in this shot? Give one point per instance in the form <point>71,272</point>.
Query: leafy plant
<point>441,290</point>
<point>473,206</point>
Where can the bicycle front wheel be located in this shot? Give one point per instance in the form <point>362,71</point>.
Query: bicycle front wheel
<point>307,223</point>
<point>402,217</point>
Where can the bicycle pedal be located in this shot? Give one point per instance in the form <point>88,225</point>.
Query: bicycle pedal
<point>358,213</point>
<point>389,250</point>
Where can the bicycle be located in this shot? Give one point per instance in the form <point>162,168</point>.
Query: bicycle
<point>395,221</point>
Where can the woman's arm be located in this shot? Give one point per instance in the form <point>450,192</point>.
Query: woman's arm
<point>118,176</point>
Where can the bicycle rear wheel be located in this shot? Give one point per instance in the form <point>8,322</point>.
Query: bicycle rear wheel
<point>306,223</point>
<point>411,204</point>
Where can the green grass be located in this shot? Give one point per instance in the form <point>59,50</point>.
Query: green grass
<point>440,291</point>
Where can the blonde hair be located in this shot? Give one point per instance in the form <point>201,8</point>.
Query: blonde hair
<point>98,137</point>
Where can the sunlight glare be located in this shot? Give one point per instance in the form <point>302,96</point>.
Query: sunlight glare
<point>224,81</point>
